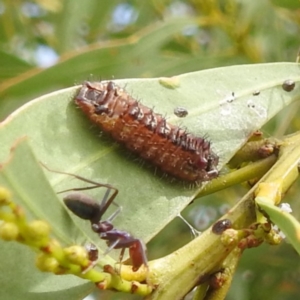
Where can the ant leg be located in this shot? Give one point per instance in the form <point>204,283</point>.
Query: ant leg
<point>104,200</point>
<point>103,204</point>
<point>78,189</point>
<point>115,214</point>
<point>96,184</point>
<point>121,258</point>
<point>111,246</point>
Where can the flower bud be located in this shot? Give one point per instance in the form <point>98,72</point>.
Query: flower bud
<point>37,230</point>
<point>9,231</point>
<point>5,196</point>
<point>77,255</point>
<point>47,263</point>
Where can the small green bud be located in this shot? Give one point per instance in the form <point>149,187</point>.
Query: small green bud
<point>274,237</point>
<point>230,237</point>
<point>47,263</point>
<point>77,255</point>
<point>37,230</point>
<point>9,231</point>
<point>5,196</point>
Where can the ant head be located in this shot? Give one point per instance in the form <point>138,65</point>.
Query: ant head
<point>101,227</point>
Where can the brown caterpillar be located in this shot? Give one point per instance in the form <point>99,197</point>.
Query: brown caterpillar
<point>147,133</point>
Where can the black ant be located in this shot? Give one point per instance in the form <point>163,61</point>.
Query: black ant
<point>87,208</point>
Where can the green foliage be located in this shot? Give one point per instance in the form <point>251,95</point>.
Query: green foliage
<point>163,38</point>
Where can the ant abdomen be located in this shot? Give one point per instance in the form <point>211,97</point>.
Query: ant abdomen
<point>83,206</point>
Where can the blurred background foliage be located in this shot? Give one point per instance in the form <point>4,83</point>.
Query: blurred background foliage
<point>46,45</point>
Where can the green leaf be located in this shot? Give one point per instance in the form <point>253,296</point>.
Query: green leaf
<point>290,4</point>
<point>122,58</point>
<point>11,66</point>
<point>63,138</point>
<point>221,106</point>
<point>72,19</point>
<point>23,176</point>
<point>287,223</point>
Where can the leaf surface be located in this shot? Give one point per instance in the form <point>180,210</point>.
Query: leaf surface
<point>223,104</point>
<point>286,222</point>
